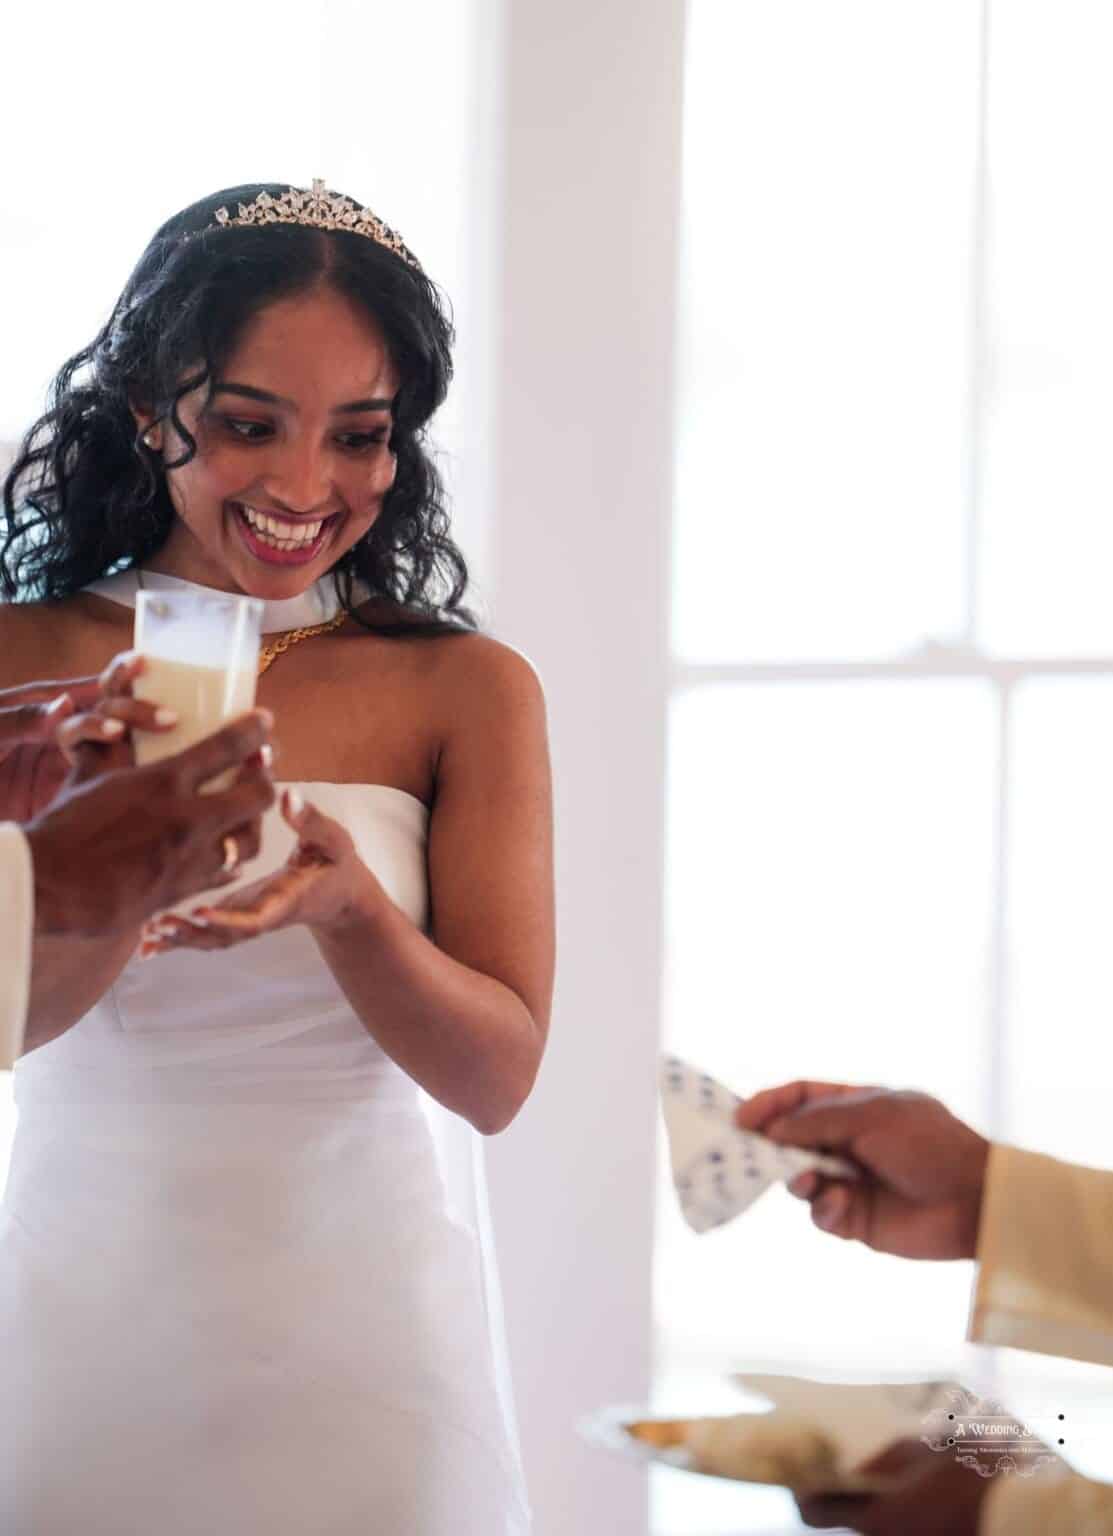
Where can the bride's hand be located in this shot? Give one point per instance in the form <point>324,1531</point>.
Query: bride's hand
<point>323,885</point>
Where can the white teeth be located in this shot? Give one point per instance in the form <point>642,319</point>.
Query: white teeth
<point>279,534</point>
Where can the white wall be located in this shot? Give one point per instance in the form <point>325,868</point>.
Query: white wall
<point>583,416</point>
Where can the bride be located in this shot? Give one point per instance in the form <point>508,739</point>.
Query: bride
<point>245,1285</point>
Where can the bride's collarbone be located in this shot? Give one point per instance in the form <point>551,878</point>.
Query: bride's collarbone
<point>362,714</point>
<point>369,725</point>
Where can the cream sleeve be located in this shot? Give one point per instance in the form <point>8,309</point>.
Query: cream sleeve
<point>1045,1257</point>
<point>1065,1506</point>
<point>1045,1282</point>
<point>17,895</point>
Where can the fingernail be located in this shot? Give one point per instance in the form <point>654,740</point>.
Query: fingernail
<point>295,805</point>
<point>166,717</point>
<point>823,1211</point>
<point>113,728</point>
<point>266,752</point>
<point>266,716</point>
<point>198,922</point>
<point>56,706</point>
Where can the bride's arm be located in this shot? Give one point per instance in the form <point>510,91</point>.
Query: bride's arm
<point>466,1014</point>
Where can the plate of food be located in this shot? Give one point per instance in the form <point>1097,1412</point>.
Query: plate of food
<point>862,1416</point>
<point>781,1448</point>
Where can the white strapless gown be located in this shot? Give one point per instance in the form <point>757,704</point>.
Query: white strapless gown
<point>244,1283</point>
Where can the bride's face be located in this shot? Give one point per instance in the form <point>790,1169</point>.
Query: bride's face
<point>293,457</point>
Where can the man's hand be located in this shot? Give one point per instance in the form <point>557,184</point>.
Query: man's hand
<point>112,850</point>
<point>48,730</point>
<point>31,715</point>
<point>31,768</point>
<point>932,1495</point>
<point>924,1170</point>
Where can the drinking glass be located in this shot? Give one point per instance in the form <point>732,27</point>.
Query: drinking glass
<point>202,655</point>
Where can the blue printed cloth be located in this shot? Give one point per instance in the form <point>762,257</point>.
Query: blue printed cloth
<point>719,1170</point>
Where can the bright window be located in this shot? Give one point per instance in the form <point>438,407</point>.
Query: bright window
<point>890,750</point>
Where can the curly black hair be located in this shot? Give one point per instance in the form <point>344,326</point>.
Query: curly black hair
<point>85,496</point>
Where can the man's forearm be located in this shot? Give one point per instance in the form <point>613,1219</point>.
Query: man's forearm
<point>70,969</point>
<point>68,976</point>
<point>1060,1505</point>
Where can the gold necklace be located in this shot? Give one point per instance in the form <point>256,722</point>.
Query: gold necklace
<point>269,654</point>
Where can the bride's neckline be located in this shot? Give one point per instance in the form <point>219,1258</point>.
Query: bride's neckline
<point>317,605</point>
<point>328,785</point>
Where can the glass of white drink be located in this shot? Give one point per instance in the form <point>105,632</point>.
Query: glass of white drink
<point>202,655</point>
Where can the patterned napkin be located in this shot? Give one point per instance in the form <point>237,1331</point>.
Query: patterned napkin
<point>719,1169</point>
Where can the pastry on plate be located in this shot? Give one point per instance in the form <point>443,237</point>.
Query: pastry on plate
<point>753,1447</point>
<point>661,1434</point>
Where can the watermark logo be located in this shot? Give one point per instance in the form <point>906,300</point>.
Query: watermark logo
<point>985,1437</point>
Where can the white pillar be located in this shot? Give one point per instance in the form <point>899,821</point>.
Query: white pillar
<point>583,416</point>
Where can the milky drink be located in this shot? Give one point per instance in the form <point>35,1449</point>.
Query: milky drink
<point>201,651</point>
<point>203,698</point>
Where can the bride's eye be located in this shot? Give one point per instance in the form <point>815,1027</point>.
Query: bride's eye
<point>359,442</point>
<point>247,431</point>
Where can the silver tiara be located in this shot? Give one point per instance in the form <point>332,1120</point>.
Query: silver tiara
<point>317,209</point>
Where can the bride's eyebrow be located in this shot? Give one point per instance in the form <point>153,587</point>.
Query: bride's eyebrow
<point>249,392</point>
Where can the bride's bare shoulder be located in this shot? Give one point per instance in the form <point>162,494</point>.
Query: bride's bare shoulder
<point>26,642</point>
<point>462,661</point>
<point>50,642</point>
<point>478,677</point>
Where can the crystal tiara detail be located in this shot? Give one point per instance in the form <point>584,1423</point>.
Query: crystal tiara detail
<point>317,209</point>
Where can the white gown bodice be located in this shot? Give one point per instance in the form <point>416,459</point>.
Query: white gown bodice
<point>245,1282</point>
<point>267,1017</point>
